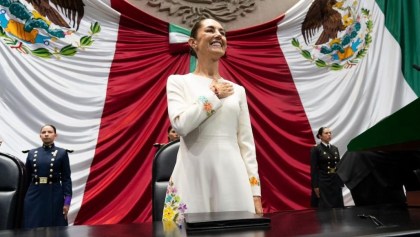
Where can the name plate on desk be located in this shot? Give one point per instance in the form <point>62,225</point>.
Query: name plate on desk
<point>224,220</point>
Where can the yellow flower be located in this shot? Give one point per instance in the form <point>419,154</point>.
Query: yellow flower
<point>254,181</point>
<point>168,214</point>
<point>347,20</point>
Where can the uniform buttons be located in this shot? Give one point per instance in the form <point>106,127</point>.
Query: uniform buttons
<point>36,176</point>
<point>51,170</point>
<point>51,164</point>
<point>36,183</point>
<point>52,159</point>
<point>50,175</point>
<point>34,165</point>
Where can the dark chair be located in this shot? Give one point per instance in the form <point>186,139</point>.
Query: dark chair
<point>12,191</point>
<point>163,165</point>
<point>417,174</point>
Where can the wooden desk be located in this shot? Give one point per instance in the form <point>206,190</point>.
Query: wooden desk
<point>332,222</point>
<point>413,198</point>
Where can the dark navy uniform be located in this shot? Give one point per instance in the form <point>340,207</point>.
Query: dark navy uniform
<point>324,162</point>
<point>50,184</point>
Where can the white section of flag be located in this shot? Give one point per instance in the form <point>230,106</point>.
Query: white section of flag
<point>68,92</point>
<point>176,37</point>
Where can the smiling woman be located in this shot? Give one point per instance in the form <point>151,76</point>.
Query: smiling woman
<point>212,37</point>
<point>216,167</point>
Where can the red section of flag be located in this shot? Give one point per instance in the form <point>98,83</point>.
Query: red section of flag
<point>281,129</point>
<point>135,116</point>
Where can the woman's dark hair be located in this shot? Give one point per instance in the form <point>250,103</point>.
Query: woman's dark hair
<point>193,34</point>
<point>194,30</point>
<point>55,130</point>
<point>320,131</point>
<point>195,27</point>
<point>169,128</point>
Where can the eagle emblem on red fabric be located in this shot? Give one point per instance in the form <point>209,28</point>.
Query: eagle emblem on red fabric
<point>337,33</point>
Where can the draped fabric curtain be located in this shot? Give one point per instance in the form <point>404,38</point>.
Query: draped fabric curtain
<point>135,117</point>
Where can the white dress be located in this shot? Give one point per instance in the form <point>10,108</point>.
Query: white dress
<point>216,168</point>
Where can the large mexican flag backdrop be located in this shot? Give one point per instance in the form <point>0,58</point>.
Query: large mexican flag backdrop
<point>99,75</point>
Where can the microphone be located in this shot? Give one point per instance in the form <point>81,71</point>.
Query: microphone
<point>417,67</point>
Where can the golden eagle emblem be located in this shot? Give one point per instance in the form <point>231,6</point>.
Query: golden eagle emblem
<point>73,10</point>
<point>322,13</point>
<point>343,30</point>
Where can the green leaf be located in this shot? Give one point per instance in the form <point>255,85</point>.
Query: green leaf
<point>336,67</point>
<point>42,53</point>
<point>361,53</point>
<point>295,43</point>
<point>10,41</point>
<point>68,50</point>
<point>320,63</point>
<point>95,28</point>
<point>306,54</point>
<point>368,39</point>
<point>86,41</point>
<point>369,25</point>
<point>365,11</point>
<point>2,33</point>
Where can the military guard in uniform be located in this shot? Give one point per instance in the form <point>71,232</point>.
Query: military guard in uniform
<point>326,184</point>
<point>48,198</point>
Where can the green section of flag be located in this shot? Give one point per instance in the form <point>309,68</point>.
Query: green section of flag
<point>178,29</point>
<point>402,18</point>
<point>399,131</point>
<point>193,63</point>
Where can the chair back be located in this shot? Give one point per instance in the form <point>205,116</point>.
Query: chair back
<point>12,191</point>
<point>163,165</point>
